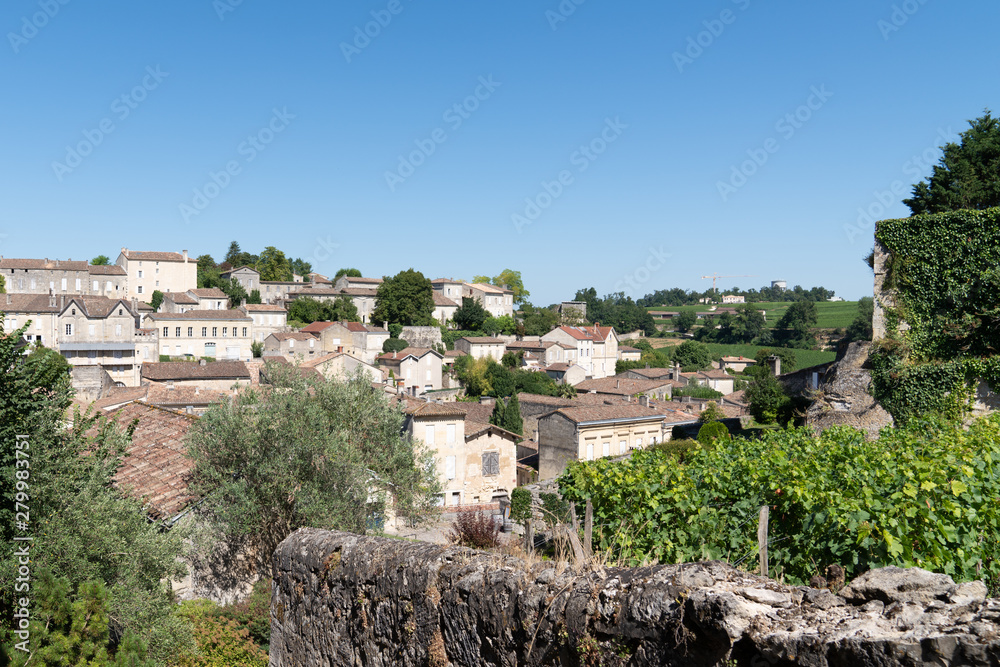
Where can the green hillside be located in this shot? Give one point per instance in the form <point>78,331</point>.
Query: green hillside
<point>831,314</point>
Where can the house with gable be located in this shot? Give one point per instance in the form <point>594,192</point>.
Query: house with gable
<point>596,347</point>
<point>478,347</point>
<point>147,272</point>
<point>414,369</point>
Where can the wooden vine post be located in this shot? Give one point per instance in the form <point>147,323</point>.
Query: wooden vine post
<point>762,539</point>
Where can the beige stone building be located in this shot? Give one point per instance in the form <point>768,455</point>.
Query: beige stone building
<point>267,318</point>
<point>95,331</point>
<point>295,346</point>
<point>217,334</point>
<point>247,276</point>
<point>362,297</point>
<point>414,369</point>
<point>444,308</point>
<point>596,347</point>
<point>476,463</point>
<point>339,365</point>
<point>209,298</point>
<point>362,341</point>
<point>151,271</point>
<point>478,347</point>
<point>498,301</point>
<point>53,276</point>
<point>588,433</point>
<point>348,282</point>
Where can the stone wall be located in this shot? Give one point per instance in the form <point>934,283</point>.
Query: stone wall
<point>342,599</point>
<point>422,336</point>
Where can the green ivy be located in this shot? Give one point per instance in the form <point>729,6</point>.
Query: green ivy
<point>944,271</point>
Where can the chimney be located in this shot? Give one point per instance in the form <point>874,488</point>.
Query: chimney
<point>197,390</point>
<point>618,384</point>
<point>8,299</point>
<point>52,299</point>
<point>774,361</point>
<point>184,253</point>
<point>170,385</point>
<point>202,362</point>
<point>644,401</point>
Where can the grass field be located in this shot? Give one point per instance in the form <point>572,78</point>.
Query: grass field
<point>803,358</point>
<point>830,314</point>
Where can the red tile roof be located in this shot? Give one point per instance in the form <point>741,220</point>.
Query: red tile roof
<point>624,412</point>
<point>49,264</point>
<point>237,315</point>
<point>155,256</point>
<point>209,293</point>
<point>190,370</point>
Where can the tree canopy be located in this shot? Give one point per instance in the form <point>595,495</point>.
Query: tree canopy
<point>616,310</point>
<point>470,315</point>
<point>308,310</point>
<point>350,273</point>
<point>510,279</point>
<point>273,265</point>
<point>100,260</point>
<point>967,175</point>
<point>406,298</point>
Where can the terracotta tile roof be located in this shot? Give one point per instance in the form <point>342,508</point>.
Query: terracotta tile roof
<point>106,270</point>
<point>347,291</point>
<point>119,396</point>
<point>446,280</point>
<point>263,308</point>
<point>98,306</point>
<point>156,468</point>
<point>165,396</point>
<point>358,327</point>
<point>27,303</point>
<point>441,300</point>
<point>435,410</point>
<point>313,363</point>
<point>532,345</point>
<point>416,352</point>
<point>364,281</point>
<point>454,353</point>
<point>482,340</point>
<point>155,256</point>
<point>475,429</point>
<point>209,293</point>
<point>237,315</point>
<point>558,367</point>
<point>739,359</point>
<point>190,370</point>
<point>651,373</point>
<point>623,412</point>
<point>246,267</point>
<point>49,264</point>
<point>716,374</point>
<point>492,289</point>
<point>317,327</point>
<point>542,399</point>
<point>622,386</point>
<point>475,412</point>
<point>294,335</point>
<point>625,348</point>
<point>181,297</point>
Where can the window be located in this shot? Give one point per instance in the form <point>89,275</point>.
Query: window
<point>429,434</point>
<point>69,329</point>
<point>451,433</point>
<point>177,331</point>
<point>225,331</point>
<point>210,350</point>
<point>607,449</point>
<point>166,331</point>
<point>32,283</point>
<point>97,285</point>
<point>244,332</point>
<point>638,443</point>
<point>63,284</point>
<point>108,286</point>
<point>190,331</point>
<point>215,331</point>
<point>91,329</point>
<point>590,451</point>
<point>157,283</point>
<point>118,354</point>
<point>138,290</point>
<point>623,446</point>
<point>291,343</point>
<point>449,467</point>
<point>204,331</point>
<point>491,464</point>
<point>92,354</point>
<point>140,273</point>
<point>77,284</point>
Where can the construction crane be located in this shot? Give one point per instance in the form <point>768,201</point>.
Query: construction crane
<point>716,276</point>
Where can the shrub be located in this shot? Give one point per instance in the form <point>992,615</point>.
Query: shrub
<point>394,345</point>
<point>475,529</point>
<point>254,613</point>
<point>520,505</point>
<point>711,432</point>
<point>675,449</point>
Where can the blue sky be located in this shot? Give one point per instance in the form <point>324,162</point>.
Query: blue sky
<point>625,146</point>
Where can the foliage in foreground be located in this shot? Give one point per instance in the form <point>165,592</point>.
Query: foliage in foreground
<point>919,496</point>
<point>475,529</point>
<point>323,453</point>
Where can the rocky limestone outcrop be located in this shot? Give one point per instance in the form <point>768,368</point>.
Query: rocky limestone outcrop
<point>343,599</point>
<point>844,397</point>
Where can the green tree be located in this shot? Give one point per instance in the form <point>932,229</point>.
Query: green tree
<point>512,420</point>
<point>208,272</point>
<point>861,327</point>
<point>787,356</point>
<point>254,297</point>
<point>685,321</point>
<point>322,453</point>
<point>797,323</point>
<point>513,359</point>
<point>692,356</point>
<point>394,345</point>
<point>748,324</point>
<point>470,316</point>
<point>406,298</point>
<point>711,432</point>
<point>233,255</point>
<point>711,413</point>
<point>538,321</point>
<point>968,173</point>
<point>234,290</point>
<point>273,265</point>
<point>257,349</point>
<point>499,414</point>
<point>301,267</point>
<point>511,280</point>
<point>767,398</point>
<point>350,273</point>
<point>156,300</point>
<point>3,285</point>
<point>494,326</point>
<point>101,260</point>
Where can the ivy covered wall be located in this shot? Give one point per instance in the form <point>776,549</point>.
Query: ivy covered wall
<point>937,320</point>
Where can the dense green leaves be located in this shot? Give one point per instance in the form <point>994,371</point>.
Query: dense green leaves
<point>919,496</point>
<point>307,310</point>
<point>406,298</point>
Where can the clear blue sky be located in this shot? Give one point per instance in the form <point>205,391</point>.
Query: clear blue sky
<point>200,78</point>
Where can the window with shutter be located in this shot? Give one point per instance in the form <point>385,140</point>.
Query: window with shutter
<point>491,464</point>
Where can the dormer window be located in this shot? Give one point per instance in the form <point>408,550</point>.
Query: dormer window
<point>73,311</point>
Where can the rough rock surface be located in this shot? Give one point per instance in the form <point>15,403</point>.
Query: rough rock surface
<point>343,599</point>
<point>844,397</point>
